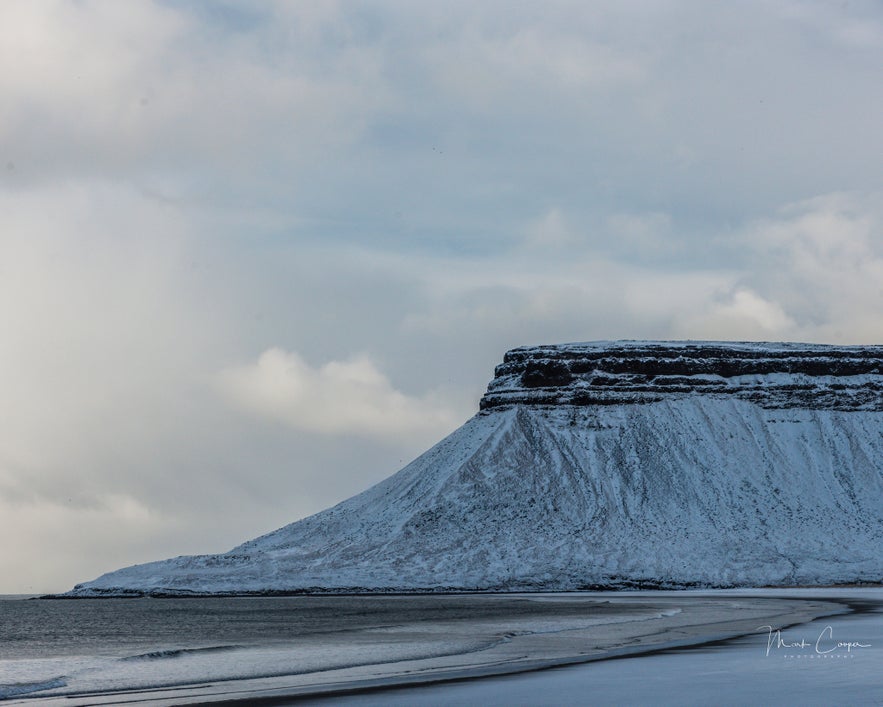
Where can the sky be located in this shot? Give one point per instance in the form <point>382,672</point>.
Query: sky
<point>255,257</point>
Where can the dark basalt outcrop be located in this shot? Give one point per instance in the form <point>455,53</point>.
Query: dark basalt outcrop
<point>808,376</point>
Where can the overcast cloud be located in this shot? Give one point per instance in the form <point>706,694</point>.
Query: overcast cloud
<point>254,257</point>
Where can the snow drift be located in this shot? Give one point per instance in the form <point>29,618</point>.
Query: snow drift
<point>605,464</point>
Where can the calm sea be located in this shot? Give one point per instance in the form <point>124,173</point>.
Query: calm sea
<point>52,647</point>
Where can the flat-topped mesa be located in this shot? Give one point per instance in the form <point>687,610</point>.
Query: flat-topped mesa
<point>546,490</point>
<point>773,375</point>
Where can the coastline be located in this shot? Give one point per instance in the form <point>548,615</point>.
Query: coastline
<point>832,660</point>
<point>640,623</point>
<point>622,587</point>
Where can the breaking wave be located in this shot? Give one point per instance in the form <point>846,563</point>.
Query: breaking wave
<point>17,689</point>
<point>178,653</point>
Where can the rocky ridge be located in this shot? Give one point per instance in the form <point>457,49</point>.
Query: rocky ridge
<point>626,372</point>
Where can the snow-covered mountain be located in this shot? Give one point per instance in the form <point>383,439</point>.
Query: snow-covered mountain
<point>604,464</point>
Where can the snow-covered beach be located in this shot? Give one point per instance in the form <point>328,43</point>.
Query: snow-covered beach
<point>368,644</point>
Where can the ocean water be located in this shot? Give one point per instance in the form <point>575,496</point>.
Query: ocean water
<point>806,665</point>
<point>53,651</point>
<point>75,647</point>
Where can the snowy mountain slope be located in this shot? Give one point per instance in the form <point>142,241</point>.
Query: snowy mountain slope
<point>611,464</point>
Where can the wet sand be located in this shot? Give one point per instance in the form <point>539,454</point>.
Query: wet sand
<point>834,660</point>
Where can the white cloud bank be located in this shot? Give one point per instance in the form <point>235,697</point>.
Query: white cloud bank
<point>350,397</point>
